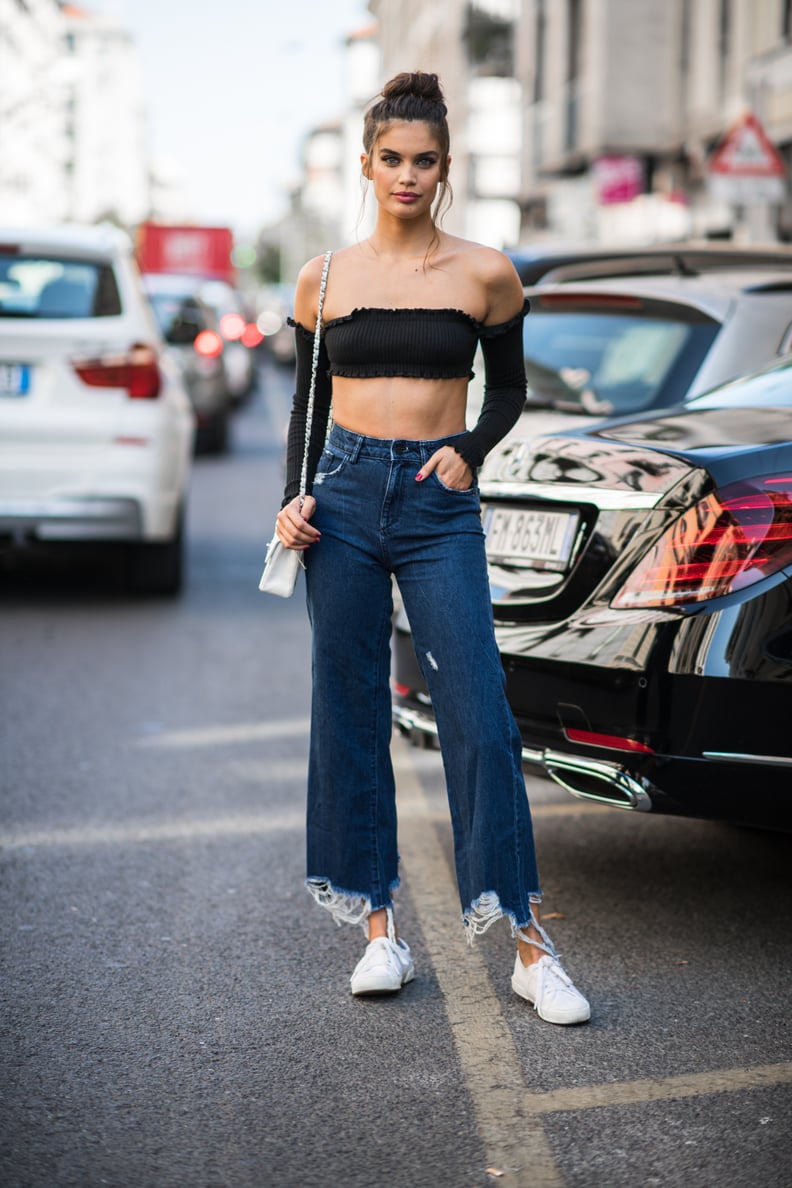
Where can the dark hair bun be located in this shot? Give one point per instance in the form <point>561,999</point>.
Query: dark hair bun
<point>416,84</point>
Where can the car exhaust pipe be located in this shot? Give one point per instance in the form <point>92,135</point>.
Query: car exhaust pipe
<point>419,729</point>
<point>589,779</point>
<point>594,779</point>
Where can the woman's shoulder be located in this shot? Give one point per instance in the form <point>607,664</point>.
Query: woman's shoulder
<point>311,272</point>
<point>494,272</point>
<point>306,291</point>
<point>487,263</point>
<point>309,277</point>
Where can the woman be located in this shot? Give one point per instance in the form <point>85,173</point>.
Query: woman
<point>394,493</point>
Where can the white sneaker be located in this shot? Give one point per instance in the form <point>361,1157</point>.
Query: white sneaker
<point>550,989</point>
<point>385,967</point>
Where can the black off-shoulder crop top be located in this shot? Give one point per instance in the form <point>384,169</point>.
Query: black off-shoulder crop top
<point>417,344</point>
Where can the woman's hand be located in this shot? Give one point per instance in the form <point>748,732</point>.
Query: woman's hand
<point>452,469</point>
<point>292,527</point>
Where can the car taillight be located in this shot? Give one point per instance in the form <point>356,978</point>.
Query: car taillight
<point>232,326</point>
<point>736,536</point>
<point>614,742</point>
<point>136,370</point>
<point>596,301</point>
<point>252,336</point>
<point>208,344</point>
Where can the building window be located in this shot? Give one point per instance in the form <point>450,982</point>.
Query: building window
<point>786,20</point>
<point>573,39</point>
<point>724,42</point>
<point>490,42</point>
<point>539,52</point>
<point>574,29</point>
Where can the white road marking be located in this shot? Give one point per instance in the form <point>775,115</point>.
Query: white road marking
<point>233,824</point>
<point>173,829</point>
<point>508,1113</point>
<point>725,1080</point>
<point>512,1141</point>
<point>236,732</point>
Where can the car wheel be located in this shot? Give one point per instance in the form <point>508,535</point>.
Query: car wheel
<point>158,568</point>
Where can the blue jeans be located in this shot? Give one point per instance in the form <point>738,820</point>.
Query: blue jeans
<point>377,521</point>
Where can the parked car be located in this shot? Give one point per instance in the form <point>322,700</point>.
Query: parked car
<point>641,577</point>
<point>240,335</point>
<point>96,429</point>
<point>191,329</point>
<point>547,261</point>
<point>277,305</point>
<point>600,348</point>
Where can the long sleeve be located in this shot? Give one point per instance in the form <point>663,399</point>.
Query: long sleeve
<point>295,442</point>
<point>505,387</point>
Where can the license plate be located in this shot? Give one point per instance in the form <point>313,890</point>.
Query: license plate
<point>530,536</point>
<point>14,379</point>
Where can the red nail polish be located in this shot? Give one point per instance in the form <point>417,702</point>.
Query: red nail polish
<point>418,477</point>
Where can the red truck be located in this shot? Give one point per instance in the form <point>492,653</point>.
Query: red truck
<point>186,250</point>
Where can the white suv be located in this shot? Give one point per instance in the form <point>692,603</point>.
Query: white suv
<point>96,429</point>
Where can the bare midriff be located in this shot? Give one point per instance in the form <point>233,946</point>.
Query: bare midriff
<point>395,407</point>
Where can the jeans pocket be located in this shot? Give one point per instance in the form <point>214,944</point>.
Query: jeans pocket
<point>471,490</point>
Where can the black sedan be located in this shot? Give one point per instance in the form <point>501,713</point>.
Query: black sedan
<point>641,577</point>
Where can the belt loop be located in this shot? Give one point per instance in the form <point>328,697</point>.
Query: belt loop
<point>350,444</point>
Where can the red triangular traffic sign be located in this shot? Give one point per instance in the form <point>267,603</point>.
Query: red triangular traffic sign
<point>746,151</point>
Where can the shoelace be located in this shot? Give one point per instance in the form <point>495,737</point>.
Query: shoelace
<point>550,971</point>
<point>384,954</point>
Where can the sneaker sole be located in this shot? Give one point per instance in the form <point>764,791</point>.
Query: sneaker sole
<point>373,988</point>
<point>548,1016</point>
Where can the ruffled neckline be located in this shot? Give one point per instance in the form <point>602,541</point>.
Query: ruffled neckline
<point>415,311</point>
<point>480,327</point>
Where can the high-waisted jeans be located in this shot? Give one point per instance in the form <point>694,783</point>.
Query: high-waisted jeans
<point>377,521</point>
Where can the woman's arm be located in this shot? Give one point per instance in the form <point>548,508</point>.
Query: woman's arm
<point>292,525</point>
<point>306,304</point>
<point>505,383</point>
<point>504,365</point>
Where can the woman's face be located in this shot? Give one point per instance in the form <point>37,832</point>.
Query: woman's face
<point>405,167</point>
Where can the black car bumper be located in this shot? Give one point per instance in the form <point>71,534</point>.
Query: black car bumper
<point>681,714</point>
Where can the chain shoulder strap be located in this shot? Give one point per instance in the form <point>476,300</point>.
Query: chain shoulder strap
<point>314,369</point>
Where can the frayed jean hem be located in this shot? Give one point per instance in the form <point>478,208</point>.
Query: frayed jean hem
<point>487,909</point>
<point>347,907</point>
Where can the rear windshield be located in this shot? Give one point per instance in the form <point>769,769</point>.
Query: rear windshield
<point>48,287</point>
<point>609,362</point>
<point>169,307</point>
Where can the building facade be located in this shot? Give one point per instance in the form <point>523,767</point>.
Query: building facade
<point>594,119</point>
<point>626,100</point>
<point>471,47</point>
<point>72,120</point>
<point>107,168</point>
<point>34,147</point>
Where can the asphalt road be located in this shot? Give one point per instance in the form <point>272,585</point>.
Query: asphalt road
<point>176,1012</point>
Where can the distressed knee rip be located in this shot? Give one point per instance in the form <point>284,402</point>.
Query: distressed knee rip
<point>484,912</point>
<point>432,661</point>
